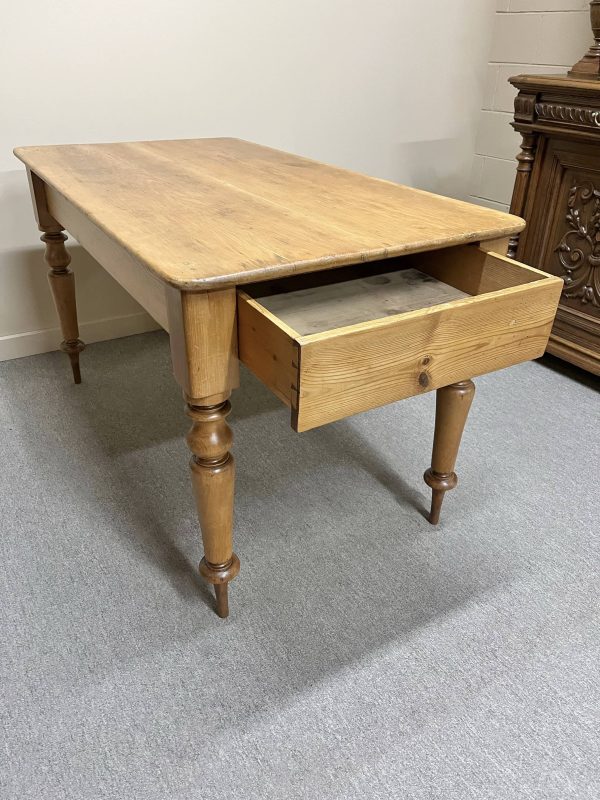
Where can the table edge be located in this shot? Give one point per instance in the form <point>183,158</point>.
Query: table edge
<point>281,270</point>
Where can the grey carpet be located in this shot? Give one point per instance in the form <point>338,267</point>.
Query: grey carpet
<point>367,655</point>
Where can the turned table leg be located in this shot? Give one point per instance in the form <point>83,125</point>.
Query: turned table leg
<point>62,283</point>
<point>203,334</point>
<point>451,410</point>
<point>213,473</point>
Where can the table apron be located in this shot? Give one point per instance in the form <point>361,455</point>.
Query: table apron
<point>149,292</point>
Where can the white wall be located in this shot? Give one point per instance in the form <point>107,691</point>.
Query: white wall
<point>388,87</point>
<point>530,36</point>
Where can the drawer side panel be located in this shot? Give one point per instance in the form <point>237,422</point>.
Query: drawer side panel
<point>267,350</point>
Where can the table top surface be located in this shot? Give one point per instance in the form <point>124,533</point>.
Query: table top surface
<point>206,213</point>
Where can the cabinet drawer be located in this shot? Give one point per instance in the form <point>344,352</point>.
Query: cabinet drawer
<point>334,343</point>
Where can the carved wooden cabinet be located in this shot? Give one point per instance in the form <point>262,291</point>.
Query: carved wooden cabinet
<point>557,190</point>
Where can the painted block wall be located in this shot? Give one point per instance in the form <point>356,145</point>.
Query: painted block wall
<point>370,86</point>
<point>530,36</point>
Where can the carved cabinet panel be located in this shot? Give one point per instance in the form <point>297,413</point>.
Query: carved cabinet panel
<point>566,211</point>
<point>578,251</point>
<point>557,190</point>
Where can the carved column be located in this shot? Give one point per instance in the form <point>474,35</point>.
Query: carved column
<point>525,161</point>
<point>213,471</point>
<point>62,284</point>
<point>451,410</point>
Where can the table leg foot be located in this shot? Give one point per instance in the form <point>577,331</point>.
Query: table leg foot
<point>437,497</point>
<point>452,408</point>
<point>213,473</point>
<point>440,484</point>
<point>222,606</point>
<point>72,349</point>
<point>220,575</point>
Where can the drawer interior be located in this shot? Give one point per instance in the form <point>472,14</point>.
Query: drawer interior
<point>335,305</point>
<point>337,342</point>
<point>315,303</point>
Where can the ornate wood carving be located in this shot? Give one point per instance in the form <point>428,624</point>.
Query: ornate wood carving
<point>525,161</point>
<point>525,107</point>
<point>562,211</point>
<point>570,115</point>
<point>579,248</point>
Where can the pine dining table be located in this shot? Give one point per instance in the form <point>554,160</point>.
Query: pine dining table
<point>339,291</point>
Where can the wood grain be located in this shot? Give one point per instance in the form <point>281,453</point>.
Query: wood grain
<point>62,285</point>
<point>474,270</point>
<point>563,82</point>
<point>43,217</point>
<point>245,213</point>
<point>60,276</point>
<point>213,475</point>
<point>267,347</point>
<point>452,406</point>
<point>348,371</point>
<point>499,246</point>
<point>337,305</point>
<point>203,341</point>
<point>525,161</point>
<point>124,267</point>
<point>560,202</point>
<point>330,375</point>
<point>575,353</point>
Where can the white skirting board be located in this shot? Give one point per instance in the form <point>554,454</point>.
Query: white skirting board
<point>31,343</point>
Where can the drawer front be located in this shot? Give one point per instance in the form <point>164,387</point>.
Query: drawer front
<point>350,372</point>
<point>333,374</point>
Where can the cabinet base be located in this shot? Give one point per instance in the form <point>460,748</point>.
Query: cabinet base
<point>575,354</point>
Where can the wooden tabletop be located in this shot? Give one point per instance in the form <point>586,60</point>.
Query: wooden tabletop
<point>205,213</point>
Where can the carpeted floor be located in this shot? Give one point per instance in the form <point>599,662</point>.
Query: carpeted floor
<point>368,655</point>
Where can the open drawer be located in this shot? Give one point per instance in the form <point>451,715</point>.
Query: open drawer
<point>331,344</point>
